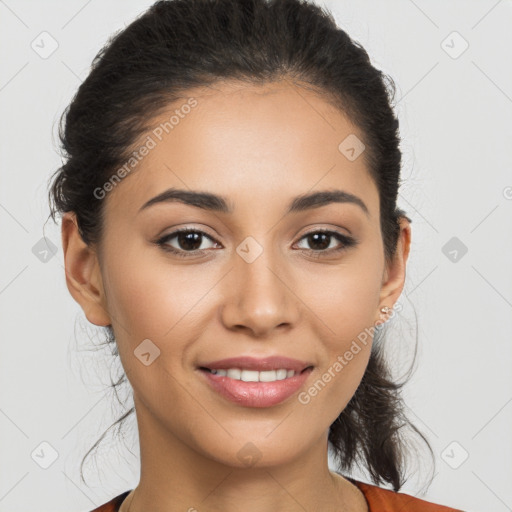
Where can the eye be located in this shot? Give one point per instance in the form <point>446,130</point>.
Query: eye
<point>323,239</point>
<point>188,241</point>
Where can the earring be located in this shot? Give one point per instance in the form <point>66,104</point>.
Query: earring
<point>384,310</point>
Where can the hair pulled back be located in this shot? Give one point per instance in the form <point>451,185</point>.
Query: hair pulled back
<point>180,44</point>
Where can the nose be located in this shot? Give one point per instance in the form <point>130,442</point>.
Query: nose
<point>259,297</point>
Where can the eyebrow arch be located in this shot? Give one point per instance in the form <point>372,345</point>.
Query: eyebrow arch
<point>213,202</point>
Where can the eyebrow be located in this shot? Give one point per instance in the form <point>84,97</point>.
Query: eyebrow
<point>216,203</point>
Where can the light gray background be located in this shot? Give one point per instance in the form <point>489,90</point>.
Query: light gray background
<point>455,116</point>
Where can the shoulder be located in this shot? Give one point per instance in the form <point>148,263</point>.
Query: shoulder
<point>113,505</point>
<point>386,500</point>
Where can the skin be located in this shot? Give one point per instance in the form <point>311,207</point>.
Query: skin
<point>258,146</point>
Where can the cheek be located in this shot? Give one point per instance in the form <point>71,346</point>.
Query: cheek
<point>345,297</point>
<point>344,301</point>
<point>150,297</point>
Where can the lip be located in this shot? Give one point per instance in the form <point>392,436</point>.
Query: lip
<point>256,394</point>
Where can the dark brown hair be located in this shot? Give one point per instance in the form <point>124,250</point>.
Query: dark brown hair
<point>179,44</point>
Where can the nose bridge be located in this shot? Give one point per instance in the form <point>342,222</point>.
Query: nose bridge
<point>258,298</point>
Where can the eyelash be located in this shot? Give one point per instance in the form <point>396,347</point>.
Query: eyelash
<point>347,242</point>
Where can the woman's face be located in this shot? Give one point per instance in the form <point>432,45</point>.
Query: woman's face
<point>258,281</point>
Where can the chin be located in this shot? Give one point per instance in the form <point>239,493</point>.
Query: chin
<point>256,453</point>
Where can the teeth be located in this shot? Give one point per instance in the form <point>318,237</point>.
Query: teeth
<point>233,373</point>
<point>255,376</point>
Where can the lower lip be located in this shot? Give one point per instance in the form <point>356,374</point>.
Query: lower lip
<point>256,394</point>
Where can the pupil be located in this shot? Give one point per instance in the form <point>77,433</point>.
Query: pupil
<point>314,238</point>
<point>185,239</point>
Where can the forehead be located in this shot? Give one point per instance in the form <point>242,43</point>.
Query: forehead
<point>255,144</point>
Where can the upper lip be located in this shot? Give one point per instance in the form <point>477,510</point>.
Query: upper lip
<point>258,364</point>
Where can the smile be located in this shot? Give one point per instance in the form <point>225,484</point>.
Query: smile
<point>251,388</point>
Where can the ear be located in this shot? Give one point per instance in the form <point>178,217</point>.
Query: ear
<point>83,276</point>
<point>394,274</point>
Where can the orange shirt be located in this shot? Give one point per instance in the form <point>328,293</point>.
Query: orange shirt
<point>379,500</point>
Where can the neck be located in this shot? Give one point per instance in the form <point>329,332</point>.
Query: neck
<point>175,477</point>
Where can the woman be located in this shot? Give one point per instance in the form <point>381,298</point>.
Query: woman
<point>229,215</point>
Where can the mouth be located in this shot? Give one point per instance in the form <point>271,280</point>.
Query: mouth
<point>252,388</point>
